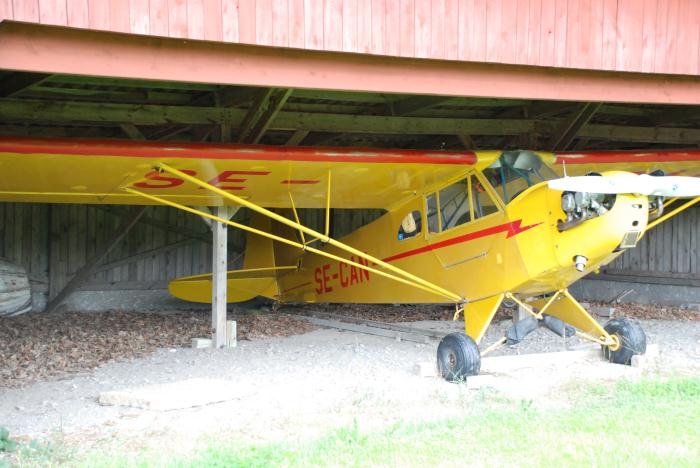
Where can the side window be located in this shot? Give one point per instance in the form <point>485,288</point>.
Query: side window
<point>433,221</point>
<point>410,225</point>
<point>483,203</point>
<point>454,205</point>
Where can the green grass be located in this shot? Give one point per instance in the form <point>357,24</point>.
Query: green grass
<point>648,423</point>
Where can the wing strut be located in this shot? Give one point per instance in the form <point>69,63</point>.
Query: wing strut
<point>399,275</point>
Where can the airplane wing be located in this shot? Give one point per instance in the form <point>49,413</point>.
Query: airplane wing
<point>89,171</point>
<point>671,162</point>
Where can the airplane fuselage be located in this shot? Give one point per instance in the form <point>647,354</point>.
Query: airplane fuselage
<point>519,249</point>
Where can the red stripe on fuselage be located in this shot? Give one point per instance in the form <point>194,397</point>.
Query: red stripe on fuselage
<point>513,229</point>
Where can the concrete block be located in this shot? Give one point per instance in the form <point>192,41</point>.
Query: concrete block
<point>477,382</point>
<point>426,369</point>
<point>509,364</point>
<point>652,351</point>
<point>607,312</point>
<point>639,361</point>
<point>201,343</point>
<point>649,358</point>
<point>170,396</point>
<point>231,334</point>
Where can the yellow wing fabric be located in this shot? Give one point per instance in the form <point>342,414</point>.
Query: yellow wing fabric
<point>88,171</point>
<point>671,162</point>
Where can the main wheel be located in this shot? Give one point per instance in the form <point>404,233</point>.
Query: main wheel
<point>458,357</point>
<point>631,338</point>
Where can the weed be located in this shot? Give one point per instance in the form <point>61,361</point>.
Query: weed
<point>6,444</point>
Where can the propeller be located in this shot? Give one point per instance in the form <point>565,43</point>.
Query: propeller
<point>644,184</point>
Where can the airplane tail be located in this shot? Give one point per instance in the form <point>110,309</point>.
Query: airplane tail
<point>264,260</point>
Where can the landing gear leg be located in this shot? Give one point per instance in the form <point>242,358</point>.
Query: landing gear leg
<point>620,338</point>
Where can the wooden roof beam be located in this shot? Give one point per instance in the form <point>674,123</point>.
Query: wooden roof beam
<point>567,130</point>
<point>71,113</point>
<point>262,113</point>
<point>415,104</point>
<point>132,131</point>
<point>466,141</point>
<point>297,137</point>
<point>18,82</point>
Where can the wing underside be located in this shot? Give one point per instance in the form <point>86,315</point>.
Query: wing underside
<point>83,171</point>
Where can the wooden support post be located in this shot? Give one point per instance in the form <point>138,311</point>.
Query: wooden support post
<point>87,269</point>
<point>520,313</point>
<point>218,280</point>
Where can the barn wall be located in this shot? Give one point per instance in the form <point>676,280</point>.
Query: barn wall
<point>653,36</point>
<point>53,241</point>
<point>668,253</point>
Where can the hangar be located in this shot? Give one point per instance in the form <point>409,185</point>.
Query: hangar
<point>446,75</point>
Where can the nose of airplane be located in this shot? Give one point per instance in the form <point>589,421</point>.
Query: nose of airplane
<point>592,229</point>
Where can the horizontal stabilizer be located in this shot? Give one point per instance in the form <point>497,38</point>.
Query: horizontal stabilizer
<point>242,285</point>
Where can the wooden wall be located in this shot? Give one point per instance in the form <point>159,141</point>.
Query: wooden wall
<point>654,36</point>
<point>53,241</point>
<point>670,253</point>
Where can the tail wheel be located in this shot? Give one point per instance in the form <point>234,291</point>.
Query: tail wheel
<point>458,357</point>
<point>630,340</point>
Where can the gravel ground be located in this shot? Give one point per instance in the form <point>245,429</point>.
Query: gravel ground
<point>300,386</point>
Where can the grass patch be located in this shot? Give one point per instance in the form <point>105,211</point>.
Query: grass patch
<point>647,423</point>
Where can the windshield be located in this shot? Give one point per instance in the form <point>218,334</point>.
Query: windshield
<point>515,171</point>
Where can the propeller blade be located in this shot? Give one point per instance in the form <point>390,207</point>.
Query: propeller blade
<point>644,184</point>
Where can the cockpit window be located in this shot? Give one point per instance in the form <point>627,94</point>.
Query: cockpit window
<point>515,171</point>
<point>454,205</point>
<point>410,225</point>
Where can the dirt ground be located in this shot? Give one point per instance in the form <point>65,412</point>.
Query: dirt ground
<point>297,386</point>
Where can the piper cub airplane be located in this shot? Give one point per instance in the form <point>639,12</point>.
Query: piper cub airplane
<point>468,228</point>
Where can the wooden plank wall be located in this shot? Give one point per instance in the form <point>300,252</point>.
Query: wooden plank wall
<point>24,238</point>
<point>653,36</point>
<point>671,250</point>
<point>53,241</point>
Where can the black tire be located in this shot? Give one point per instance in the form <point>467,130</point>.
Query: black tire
<point>632,338</point>
<point>458,357</point>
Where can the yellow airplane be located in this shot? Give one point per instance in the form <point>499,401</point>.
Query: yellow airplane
<point>469,228</point>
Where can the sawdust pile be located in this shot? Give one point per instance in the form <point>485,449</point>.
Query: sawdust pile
<point>35,347</point>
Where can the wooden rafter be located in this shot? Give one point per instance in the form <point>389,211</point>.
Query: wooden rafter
<point>297,137</point>
<point>132,131</point>
<point>466,141</point>
<point>18,82</point>
<point>71,113</point>
<point>415,104</point>
<point>262,113</point>
<point>568,129</point>
<point>682,114</point>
